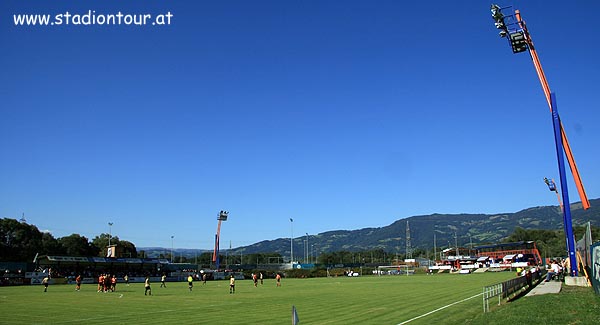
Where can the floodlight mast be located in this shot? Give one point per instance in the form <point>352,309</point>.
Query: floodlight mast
<point>520,41</point>
<point>222,216</point>
<point>518,44</point>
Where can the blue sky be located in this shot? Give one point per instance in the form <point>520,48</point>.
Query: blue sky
<point>340,115</point>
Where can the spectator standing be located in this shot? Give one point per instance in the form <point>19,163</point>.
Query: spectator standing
<point>529,277</point>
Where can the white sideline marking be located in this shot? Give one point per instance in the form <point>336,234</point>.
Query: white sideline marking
<point>436,310</point>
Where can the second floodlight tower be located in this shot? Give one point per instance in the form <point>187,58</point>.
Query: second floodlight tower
<point>222,216</point>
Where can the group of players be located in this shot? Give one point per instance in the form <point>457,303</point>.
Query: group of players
<point>106,282</point>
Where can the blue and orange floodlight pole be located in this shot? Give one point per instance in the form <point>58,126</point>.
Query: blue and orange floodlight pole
<point>222,216</point>
<point>514,29</point>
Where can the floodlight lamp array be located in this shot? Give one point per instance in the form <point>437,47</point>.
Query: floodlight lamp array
<point>510,29</point>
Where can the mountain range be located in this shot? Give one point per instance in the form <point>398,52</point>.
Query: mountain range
<point>465,230</point>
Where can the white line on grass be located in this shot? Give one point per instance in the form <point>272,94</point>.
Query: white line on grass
<point>436,310</point>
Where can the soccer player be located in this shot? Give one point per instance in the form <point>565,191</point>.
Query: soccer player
<point>255,279</point>
<point>113,283</point>
<point>190,280</point>
<point>100,282</point>
<point>278,278</point>
<point>162,281</point>
<point>147,287</point>
<point>107,282</point>
<point>232,284</point>
<point>261,278</point>
<point>45,283</point>
<point>78,283</point>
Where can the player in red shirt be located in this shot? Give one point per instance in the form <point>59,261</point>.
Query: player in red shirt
<point>100,282</point>
<point>78,282</point>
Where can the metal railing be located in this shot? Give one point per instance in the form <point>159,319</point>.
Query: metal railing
<point>506,289</point>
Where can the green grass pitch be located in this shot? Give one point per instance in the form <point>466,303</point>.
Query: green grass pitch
<point>338,300</point>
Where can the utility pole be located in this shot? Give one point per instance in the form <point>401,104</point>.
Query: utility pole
<point>307,249</point>
<point>292,243</point>
<point>408,244</point>
<point>470,244</point>
<point>434,246</point>
<point>456,243</point>
<point>172,248</point>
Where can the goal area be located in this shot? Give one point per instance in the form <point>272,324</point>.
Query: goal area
<point>402,269</point>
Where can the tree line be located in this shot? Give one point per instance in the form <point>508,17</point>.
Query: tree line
<point>21,242</point>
